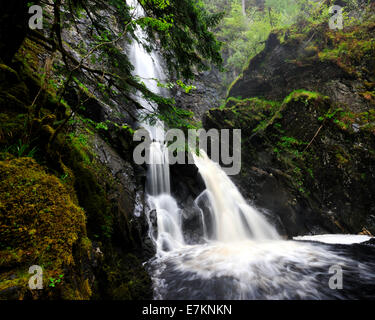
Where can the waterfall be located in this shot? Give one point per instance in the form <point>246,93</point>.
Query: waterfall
<point>147,67</point>
<point>168,235</point>
<point>243,257</point>
<point>233,218</point>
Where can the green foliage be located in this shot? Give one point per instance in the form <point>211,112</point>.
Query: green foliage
<point>187,88</point>
<point>54,281</point>
<point>183,29</point>
<point>101,125</point>
<point>173,117</point>
<point>21,149</point>
<point>244,36</point>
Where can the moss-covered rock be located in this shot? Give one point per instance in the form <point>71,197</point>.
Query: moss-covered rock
<point>308,159</point>
<point>336,63</point>
<point>39,225</point>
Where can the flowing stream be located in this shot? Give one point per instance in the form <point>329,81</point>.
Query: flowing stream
<point>241,255</point>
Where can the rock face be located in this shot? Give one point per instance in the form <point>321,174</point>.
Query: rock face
<point>208,94</point>
<point>337,64</point>
<point>303,163</point>
<point>306,109</point>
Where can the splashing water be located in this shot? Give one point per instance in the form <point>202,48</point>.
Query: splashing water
<point>244,258</point>
<point>259,270</point>
<point>147,67</point>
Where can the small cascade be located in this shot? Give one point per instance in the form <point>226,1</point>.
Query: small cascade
<point>233,218</point>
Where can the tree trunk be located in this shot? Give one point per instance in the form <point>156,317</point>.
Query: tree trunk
<point>269,14</point>
<point>243,8</point>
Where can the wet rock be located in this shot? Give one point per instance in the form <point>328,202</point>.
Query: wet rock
<point>154,222</point>
<point>207,95</point>
<point>371,242</point>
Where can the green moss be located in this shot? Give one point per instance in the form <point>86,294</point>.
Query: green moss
<point>40,224</point>
<point>349,47</point>
<point>233,83</point>
<point>90,193</point>
<point>78,142</point>
<point>303,95</point>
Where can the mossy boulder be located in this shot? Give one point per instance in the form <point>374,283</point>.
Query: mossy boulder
<point>39,225</point>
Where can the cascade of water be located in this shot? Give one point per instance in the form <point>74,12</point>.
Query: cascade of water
<point>147,67</point>
<point>243,257</point>
<point>233,218</point>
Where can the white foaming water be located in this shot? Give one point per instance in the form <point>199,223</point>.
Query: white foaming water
<point>158,175</point>
<point>233,218</point>
<point>258,270</point>
<point>147,67</point>
<point>169,232</point>
<point>336,238</point>
<point>242,257</point>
